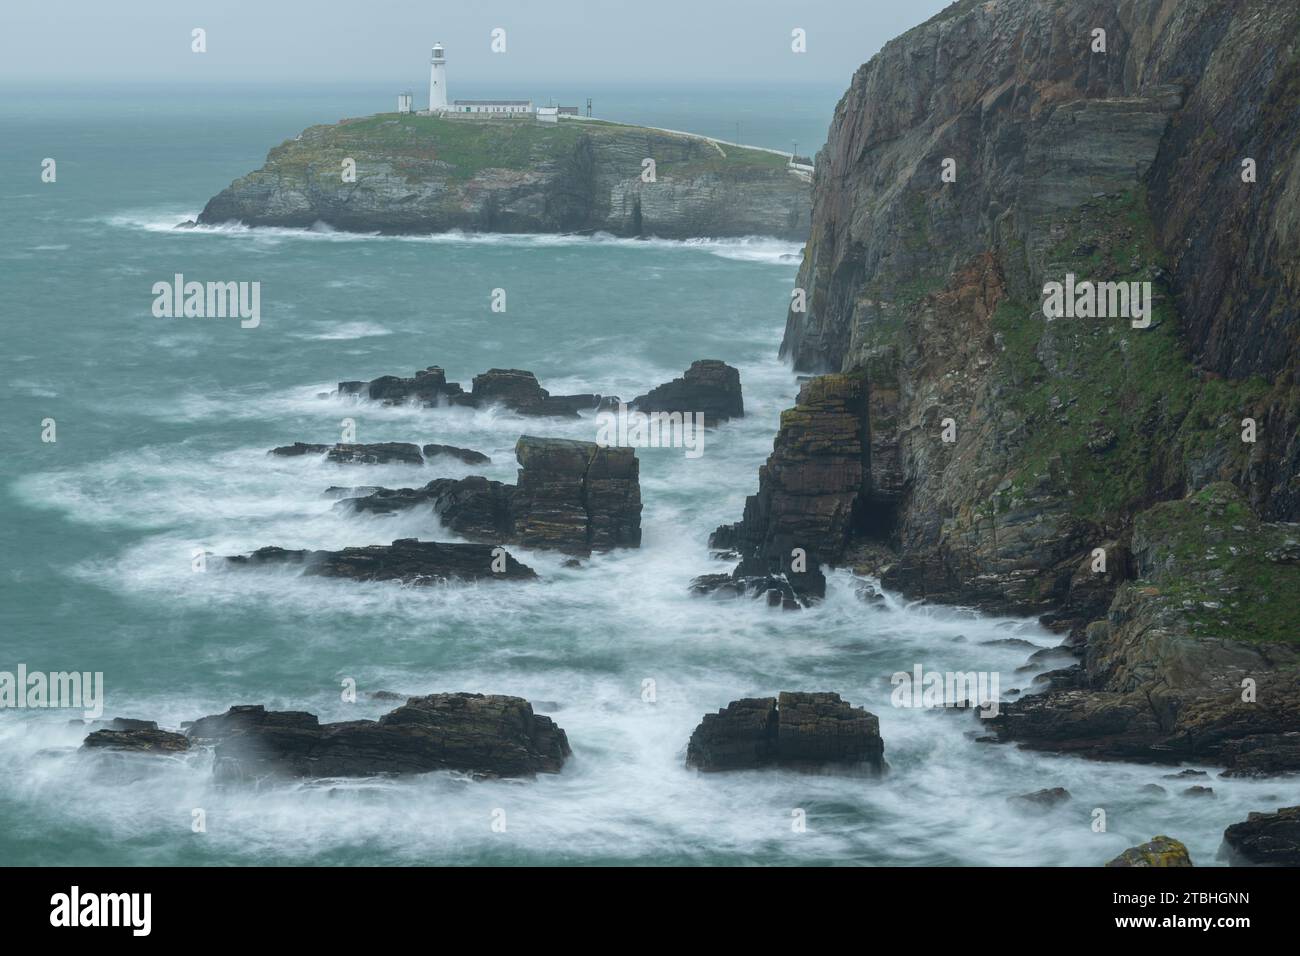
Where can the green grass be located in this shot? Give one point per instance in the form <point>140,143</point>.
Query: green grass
<point>464,147</point>
<point>1112,380</point>
<point>1217,571</point>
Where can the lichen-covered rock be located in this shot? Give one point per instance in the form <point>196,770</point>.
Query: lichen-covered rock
<point>407,560</point>
<point>519,391</point>
<point>1161,851</point>
<point>804,731</point>
<point>421,174</point>
<point>490,735</point>
<point>1265,839</point>
<point>709,387</point>
<point>1197,657</point>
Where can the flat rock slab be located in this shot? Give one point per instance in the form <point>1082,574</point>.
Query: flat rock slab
<point>407,560</point>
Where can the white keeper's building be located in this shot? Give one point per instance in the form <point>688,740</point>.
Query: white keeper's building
<point>438,102</point>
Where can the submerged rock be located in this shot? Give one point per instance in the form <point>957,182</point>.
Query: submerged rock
<point>512,388</point>
<point>803,731</point>
<point>428,387</point>
<point>407,560</point>
<point>486,735</point>
<point>1162,851</point>
<point>1265,839</point>
<point>709,387</point>
<point>467,455</point>
<point>1042,799</point>
<point>378,453</point>
<point>139,739</point>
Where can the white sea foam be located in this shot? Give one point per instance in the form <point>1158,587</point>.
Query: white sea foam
<point>744,249</point>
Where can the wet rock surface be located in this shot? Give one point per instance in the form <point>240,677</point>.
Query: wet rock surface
<point>571,496</point>
<point>803,731</point>
<point>810,494</point>
<point>1163,677</point>
<point>137,739</point>
<point>467,455</point>
<point>709,387</point>
<point>484,735</point>
<point>407,560</point>
<point>1265,839</point>
<point>380,453</point>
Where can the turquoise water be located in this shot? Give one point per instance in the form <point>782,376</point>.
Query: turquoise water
<point>163,425</point>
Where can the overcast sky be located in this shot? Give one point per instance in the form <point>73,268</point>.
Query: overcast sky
<point>332,42</point>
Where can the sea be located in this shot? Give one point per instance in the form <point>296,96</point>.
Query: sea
<point>161,428</point>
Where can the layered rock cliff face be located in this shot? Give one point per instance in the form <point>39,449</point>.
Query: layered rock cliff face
<point>420,174</point>
<point>1016,462</point>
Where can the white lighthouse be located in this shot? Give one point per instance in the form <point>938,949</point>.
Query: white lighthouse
<point>437,80</point>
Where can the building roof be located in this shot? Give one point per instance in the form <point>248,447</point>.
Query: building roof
<point>492,102</point>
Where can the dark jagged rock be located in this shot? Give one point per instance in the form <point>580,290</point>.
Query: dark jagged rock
<point>342,492</point>
<point>467,455</point>
<point>406,560</point>
<point>1042,799</point>
<point>428,387</point>
<point>473,507</point>
<point>802,731</point>
<point>572,496</point>
<point>484,735</point>
<point>515,389</point>
<point>576,496</point>
<point>120,723</point>
<point>810,492</point>
<point>519,391</point>
<point>777,589</point>
<point>709,387</point>
<point>1162,851</point>
<point>299,448</point>
<point>378,453</point>
<point>1194,660</point>
<point>137,739</point>
<point>1265,839</point>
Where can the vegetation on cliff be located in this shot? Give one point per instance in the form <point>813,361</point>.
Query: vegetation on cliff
<point>433,173</point>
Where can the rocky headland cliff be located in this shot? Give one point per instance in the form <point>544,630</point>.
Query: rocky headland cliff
<point>421,174</point>
<point>1132,481</point>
